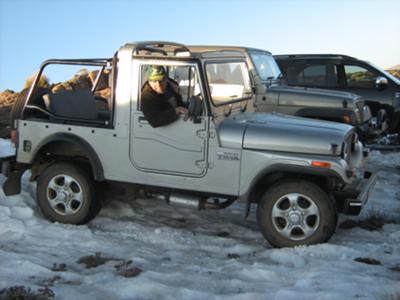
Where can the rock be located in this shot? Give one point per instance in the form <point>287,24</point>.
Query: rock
<point>394,72</point>
<point>93,261</point>
<point>43,81</point>
<point>103,82</point>
<point>104,93</point>
<point>368,261</point>
<point>7,99</point>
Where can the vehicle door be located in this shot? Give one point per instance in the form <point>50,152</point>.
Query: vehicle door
<point>360,79</point>
<point>302,73</point>
<point>179,148</point>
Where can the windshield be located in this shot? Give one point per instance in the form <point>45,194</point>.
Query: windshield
<point>396,80</point>
<point>228,82</point>
<point>266,66</point>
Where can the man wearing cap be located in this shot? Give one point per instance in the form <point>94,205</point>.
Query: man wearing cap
<point>160,102</point>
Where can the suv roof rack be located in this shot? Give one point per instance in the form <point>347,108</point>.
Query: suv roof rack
<point>209,48</point>
<point>338,56</point>
<point>149,48</point>
<point>172,49</point>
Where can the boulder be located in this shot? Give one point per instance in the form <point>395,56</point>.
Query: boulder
<point>7,99</point>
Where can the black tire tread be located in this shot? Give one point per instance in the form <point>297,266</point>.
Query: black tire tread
<point>90,208</point>
<point>328,215</point>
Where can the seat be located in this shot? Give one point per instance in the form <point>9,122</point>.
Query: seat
<point>79,104</point>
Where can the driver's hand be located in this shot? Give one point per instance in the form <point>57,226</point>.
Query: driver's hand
<point>180,110</point>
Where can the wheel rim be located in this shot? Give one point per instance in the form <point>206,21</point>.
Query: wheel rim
<point>64,194</point>
<point>295,216</point>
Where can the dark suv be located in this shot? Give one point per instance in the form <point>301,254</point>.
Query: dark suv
<point>273,95</point>
<point>380,89</point>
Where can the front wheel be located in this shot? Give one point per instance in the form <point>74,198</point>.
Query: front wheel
<point>296,212</point>
<point>65,194</point>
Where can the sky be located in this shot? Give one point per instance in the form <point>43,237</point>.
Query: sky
<point>33,31</point>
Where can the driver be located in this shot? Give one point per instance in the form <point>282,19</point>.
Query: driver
<point>161,102</point>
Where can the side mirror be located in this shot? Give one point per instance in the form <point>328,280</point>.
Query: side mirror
<point>195,107</point>
<point>381,82</point>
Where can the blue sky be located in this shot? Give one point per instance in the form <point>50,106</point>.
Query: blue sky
<point>32,31</point>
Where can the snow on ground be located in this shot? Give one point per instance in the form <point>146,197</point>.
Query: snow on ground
<point>149,250</point>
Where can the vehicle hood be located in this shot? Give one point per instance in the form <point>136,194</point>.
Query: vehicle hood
<point>279,132</point>
<point>302,96</point>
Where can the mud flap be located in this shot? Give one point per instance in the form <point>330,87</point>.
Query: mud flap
<point>13,171</point>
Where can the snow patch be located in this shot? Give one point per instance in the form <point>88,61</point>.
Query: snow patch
<point>189,254</point>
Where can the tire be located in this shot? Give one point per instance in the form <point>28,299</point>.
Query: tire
<point>381,119</point>
<point>20,101</point>
<point>296,212</point>
<point>65,194</point>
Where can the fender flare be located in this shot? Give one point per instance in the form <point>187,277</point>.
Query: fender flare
<point>98,171</point>
<point>299,170</point>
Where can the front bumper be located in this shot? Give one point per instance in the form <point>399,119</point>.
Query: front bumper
<point>354,196</point>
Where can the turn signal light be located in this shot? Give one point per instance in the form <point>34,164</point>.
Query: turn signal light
<point>347,119</point>
<point>321,164</point>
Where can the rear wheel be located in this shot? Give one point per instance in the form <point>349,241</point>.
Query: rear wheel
<point>296,212</point>
<point>65,194</point>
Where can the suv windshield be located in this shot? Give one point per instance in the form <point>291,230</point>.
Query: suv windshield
<point>266,66</point>
<point>395,79</point>
<point>228,82</point>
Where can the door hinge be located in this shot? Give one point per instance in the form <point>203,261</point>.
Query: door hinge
<point>203,134</point>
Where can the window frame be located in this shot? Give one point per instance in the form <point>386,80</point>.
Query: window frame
<point>167,64</point>
<point>227,62</point>
<point>366,67</point>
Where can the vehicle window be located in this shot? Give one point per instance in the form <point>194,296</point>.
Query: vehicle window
<point>187,80</point>
<point>313,75</point>
<point>266,66</point>
<point>359,77</point>
<point>80,77</point>
<point>386,74</point>
<point>228,82</point>
<point>183,80</point>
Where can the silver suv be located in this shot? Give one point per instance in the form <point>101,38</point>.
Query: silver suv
<point>299,172</point>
